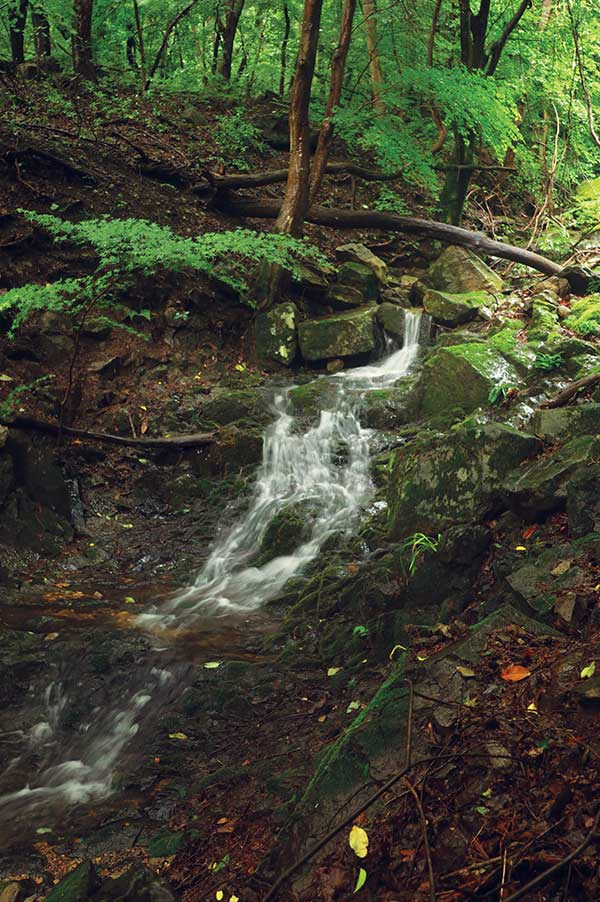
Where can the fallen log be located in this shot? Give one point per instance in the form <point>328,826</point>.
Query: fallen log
<point>390,222</point>
<point>564,396</point>
<point>197,440</point>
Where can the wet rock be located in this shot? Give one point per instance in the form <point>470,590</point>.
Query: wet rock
<point>544,317</point>
<point>345,297</point>
<point>441,480</point>
<point>583,501</point>
<point>555,574</point>
<point>6,476</point>
<point>230,405</point>
<point>276,335</point>
<point>358,253</point>
<point>135,885</point>
<point>520,355</point>
<point>563,423</point>
<point>286,531</point>
<point>238,448</point>
<point>392,319</point>
<point>538,488</point>
<point>397,295</point>
<point>361,278</point>
<point>458,271</point>
<point>77,886</point>
<point>38,472</point>
<point>343,335</point>
<point>334,366</point>
<point>455,309</point>
<point>312,398</point>
<point>390,408</point>
<point>462,377</point>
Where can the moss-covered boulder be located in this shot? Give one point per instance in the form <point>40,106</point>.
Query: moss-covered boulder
<point>342,335</point>
<point>585,315</point>
<point>455,309</point>
<point>441,480</point>
<point>462,377</point>
<point>230,405</point>
<point>536,489</point>
<point>544,316</point>
<point>554,575</point>
<point>77,886</point>
<point>564,423</point>
<point>392,319</point>
<point>345,297</point>
<point>519,354</point>
<point>358,253</point>
<point>583,501</point>
<point>310,399</point>
<point>286,531</point>
<point>390,408</point>
<point>459,271</point>
<point>361,278</point>
<point>276,334</point>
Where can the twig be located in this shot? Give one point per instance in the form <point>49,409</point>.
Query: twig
<point>545,875</point>
<point>414,793</point>
<point>409,720</point>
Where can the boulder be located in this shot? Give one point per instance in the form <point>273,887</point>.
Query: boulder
<point>311,279</point>
<point>355,275</point>
<point>38,472</point>
<point>392,319</point>
<point>229,405</point>
<point>342,335</point>
<point>344,297</point>
<point>585,315</point>
<point>396,294</point>
<point>6,476</point>
<point>583,501</point>
<point>441,480</point>
<point>459,271</point>
<point>390,408</point>
<point>77,886</point>
<point>286,531</point>
<point>539,488</point>
<point>461,377</point>
<point>455,309</point>
<point>544,317</point>
<point>310,399</point>
<point>358,253</point>
<point>137,884</point>
<point>546,581</point>
<point>276,334</point>
<point>563,423</point>
<point>518,353</point>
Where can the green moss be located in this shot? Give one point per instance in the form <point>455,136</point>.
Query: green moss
<point>462,377</point>
<point>585,316</point>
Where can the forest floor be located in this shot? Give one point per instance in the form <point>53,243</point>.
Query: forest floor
<point>509,772</point>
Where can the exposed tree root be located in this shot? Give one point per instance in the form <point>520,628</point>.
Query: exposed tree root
<point>197,440</point>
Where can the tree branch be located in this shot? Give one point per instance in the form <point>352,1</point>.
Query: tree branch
<point>174,441</point>
<point>499,45</point>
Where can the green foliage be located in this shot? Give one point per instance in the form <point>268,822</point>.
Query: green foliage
<point>588,327</point>
<point>9,405</point>
<point>237,137</point>
<point>500,392</point>
<point>414,548</point>
<point>130,247</point>
<point>548,362</point>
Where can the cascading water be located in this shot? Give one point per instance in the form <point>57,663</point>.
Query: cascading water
<point>327,468</point>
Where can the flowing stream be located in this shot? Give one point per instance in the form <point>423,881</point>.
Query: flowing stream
<point>325,471</point>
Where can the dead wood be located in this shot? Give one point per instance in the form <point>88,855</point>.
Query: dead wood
<point>564,396</point>
<point>196,440</point>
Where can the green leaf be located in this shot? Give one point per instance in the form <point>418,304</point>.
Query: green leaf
<point>362,877</point>
<point>212,665</point>
<point>588,671</point>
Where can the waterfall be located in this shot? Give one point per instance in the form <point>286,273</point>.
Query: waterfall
<point>326,468</point>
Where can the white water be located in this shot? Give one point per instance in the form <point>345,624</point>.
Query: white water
<point>327,467</point>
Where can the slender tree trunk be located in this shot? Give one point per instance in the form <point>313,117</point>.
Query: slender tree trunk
<point>295,202</point>
<point>166,37</point>
<point>83,64</point>
<point>141,45</point>
<point>338,66</point>
<point>232,17</point>
<point>370,14</point>
<point>284,44</point>
<point>17,18</point>
<point>41,34</point>
<point>458,178</point>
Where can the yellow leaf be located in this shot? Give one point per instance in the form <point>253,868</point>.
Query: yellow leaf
<point>520,548</point>
<point>421,657</point>
<point>333,670</point>
<point>51,637</point>
<point>219,895</point>
<point>234,899</point>
<point>465,671</point>
<point>212,665</point>
<point>561,568</point>
<point>358,841</point>
<point>532,707</point>
<point>322,718</point>
<point>177,736</point>
<point>470,702</point>
<point>395,649</point>
<point>129,600</point>
<point>588,671</point>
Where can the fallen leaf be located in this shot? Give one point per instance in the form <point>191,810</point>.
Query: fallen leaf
<point>333,670</point>
<point>234,899</point>
<point>129,599</point>
<point>322,718</point>
<point>353,706</point>
<point>532,707</point>
<point>5,378</point>
<point>514,673</point>
<point>42,830</point>
<point>588,671</point>
<point>561,568</point>
<point>421,657</point>
<point>219,895</point>
<point>212,665</point>
<point>358,841</point>
<point>465,671</point>
<point>177,736</point>
<point>362,876</point>
<point>527,533</point>
<point>51,637</point>
<point>520,548</point>
<point>407,855</point>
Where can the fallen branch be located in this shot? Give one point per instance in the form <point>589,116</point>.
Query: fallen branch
<point>377,219</point>
<point>197,440</point>
<point>564,396</point>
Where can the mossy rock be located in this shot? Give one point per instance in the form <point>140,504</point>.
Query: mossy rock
<point>165,843</point>
<point>541,582</point>
<point>455,309</point>
<point>358,253</point>
<point>536,489</point>
<point>583,501</point>
<point>77,886</point>
<point>360,277</point>
<point>345,297</point>
<point>342,335</point>
<point>238,448</point>
<point>460,271</point>
<point>230,405</point>
<point>288,529</point>
<point>544,317</point>
<point>462,377</point>
<point>390,408</point>
<point>276,334</point>
<point>564,423</point>
<point>310,399</point>
<point>585,315</point>
<point>444,480</point>
<point>519,354</point>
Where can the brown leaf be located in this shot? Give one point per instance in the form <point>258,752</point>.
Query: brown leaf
<point>514,673</point>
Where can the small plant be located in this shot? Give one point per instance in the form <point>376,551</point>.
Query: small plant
<point>9,405</point>
<point>500,393</point>
<point>236,137</point>
<point>588,327</point>
<point>548,362</point>
<point>417,546</point>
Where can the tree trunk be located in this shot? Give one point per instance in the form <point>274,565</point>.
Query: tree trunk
<point>41,34</point>
<point>338,65</point>
<point>370,14</point>
<point>284,44</point>
<point>141,45</point>
<point>17,18</point>
<point>83,64</point>
<point>458,178</point>
<point>295,202</point>
<point>228,32</point>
